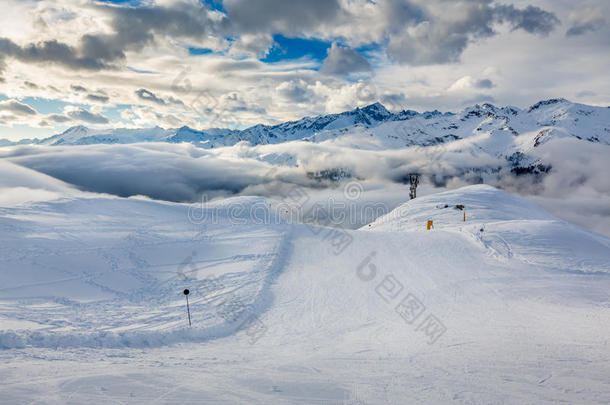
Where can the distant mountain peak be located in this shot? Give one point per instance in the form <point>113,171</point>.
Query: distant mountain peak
<point>377,108</point>
<point>186,128</point>
<point>76,128</point>
<point>550,101</point>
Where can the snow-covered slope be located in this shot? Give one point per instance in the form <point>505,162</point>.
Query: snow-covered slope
<point>507,226</point>
<point>290,313</point>
<point>139,255</point>
<point>118,280</point>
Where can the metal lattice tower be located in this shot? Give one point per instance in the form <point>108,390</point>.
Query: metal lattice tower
<point>413,182</point>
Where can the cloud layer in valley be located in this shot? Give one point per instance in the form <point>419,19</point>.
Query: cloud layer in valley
<point>576,188</point>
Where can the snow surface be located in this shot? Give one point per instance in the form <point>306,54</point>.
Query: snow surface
<point>91,304</point>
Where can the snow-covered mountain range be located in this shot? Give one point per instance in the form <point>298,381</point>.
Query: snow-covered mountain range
<point>485,123</point>
<point>480,139</point>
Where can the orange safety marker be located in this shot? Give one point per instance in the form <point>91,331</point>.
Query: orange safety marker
<point>430,225</point>
<point>464,216</point>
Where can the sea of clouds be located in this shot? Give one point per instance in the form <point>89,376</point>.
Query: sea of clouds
<point>576,189</point>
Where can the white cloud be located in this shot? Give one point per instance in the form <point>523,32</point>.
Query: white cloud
<point>468,83</point>
<point>150,53</point>
<point>16,108</point>
<point>82,115</point>
<point>181,172</point>
<point>585,21</point>
<point>343,61</point>
<point>578,187</point>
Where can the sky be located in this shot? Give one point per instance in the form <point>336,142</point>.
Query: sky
<point>237,63</point>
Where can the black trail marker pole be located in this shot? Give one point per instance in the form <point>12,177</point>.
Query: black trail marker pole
<point>188,310</point>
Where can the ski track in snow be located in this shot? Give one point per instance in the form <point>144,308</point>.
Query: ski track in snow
<point>140,304</point>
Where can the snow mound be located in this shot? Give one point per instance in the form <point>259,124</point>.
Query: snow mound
<point>480,202</point>
<point>507,226</point>
<point>20,185</point>
<point>109,272</point>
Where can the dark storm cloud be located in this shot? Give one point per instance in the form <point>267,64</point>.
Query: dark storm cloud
<point>295,91</point>
<point>417,32</point>
<point>287,17</point>
<point>530,19</point>
<point>134,28</point>
<point>147,95</point>
<point>78,88</point>
<point>17,108</point>
<point>235,66</point>
<point>58,118</point>
<point>98,98</point>
<point>484,84</point>
<point>173,100</point>
<point>83,115</point>
<point>342,61</point>
<point>138,25</point>
<point>435,41</point>
<point>585,27</point>
<point>398,13</point>
<point>435,47</point>
<point>53,52</point>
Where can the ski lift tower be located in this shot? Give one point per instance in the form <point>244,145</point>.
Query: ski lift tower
<point>413,182</point>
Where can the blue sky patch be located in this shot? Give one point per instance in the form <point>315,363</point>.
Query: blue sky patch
<point>47,106</point>
<point>140,70</point>
<point>215,5</point>
<point>133,3</point>
<point>114,113</point>
<point>199,51</point>
<point>295,48</point>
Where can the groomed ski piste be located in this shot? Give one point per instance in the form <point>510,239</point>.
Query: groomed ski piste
<point>510,306</point>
